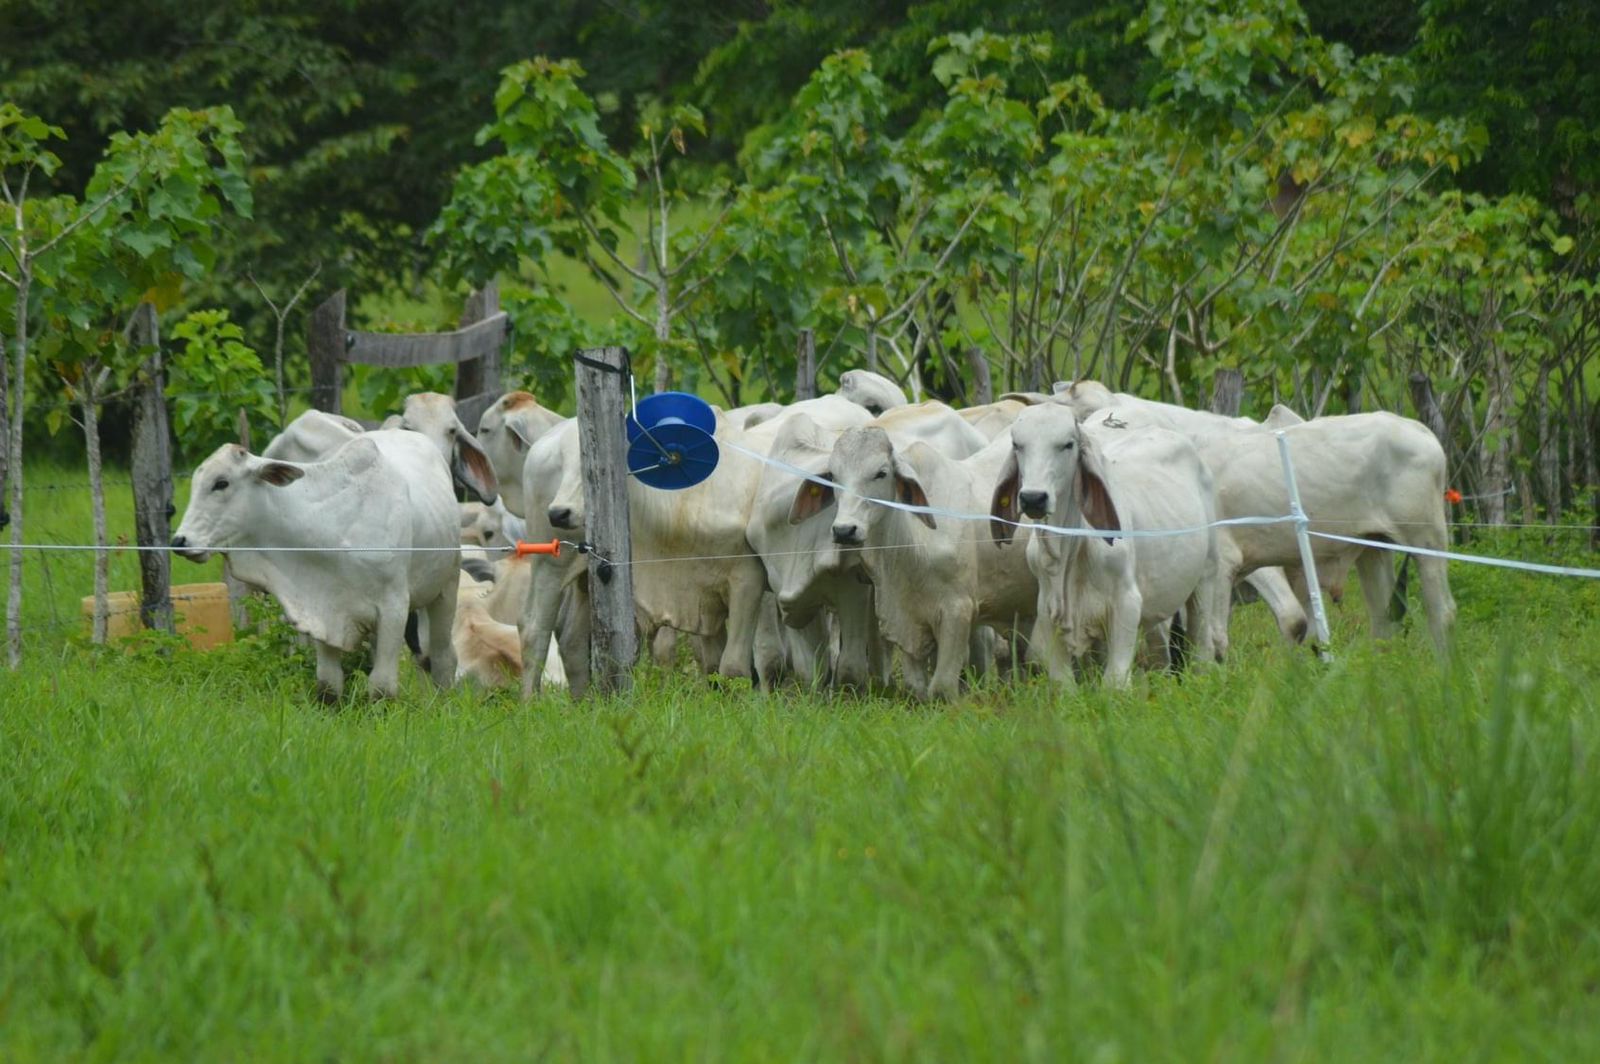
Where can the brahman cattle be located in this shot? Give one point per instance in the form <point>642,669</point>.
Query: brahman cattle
<point>389,495</point>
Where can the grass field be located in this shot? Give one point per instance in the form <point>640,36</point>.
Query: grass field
<point>1378,859</point>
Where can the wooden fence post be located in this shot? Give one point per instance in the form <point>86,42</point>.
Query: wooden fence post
<point>325,344</point>
<point>479,375</point>
<point>1227,392</point>
<point>152,476</point>
<point>982,381</point>
<point>805,366</point>
<point>602,386</point>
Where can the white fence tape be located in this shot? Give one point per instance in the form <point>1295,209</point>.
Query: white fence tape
<point>1476,559</point>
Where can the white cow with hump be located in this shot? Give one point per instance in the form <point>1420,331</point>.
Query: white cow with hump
<point>933,577</point>
<point>1104,474</point>
<point>389,490</point>
<point>1371,476</point>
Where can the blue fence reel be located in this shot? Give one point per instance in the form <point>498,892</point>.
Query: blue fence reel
<point>670,442</point>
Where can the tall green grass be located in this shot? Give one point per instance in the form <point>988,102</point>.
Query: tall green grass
<point>1379,859</point>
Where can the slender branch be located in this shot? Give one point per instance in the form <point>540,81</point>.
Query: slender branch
<point>701,244</point>
<point>605,279</point>
<point>687,295</point>
<point>939,265</point>
<point>594,234</point>
<point>104,202</point>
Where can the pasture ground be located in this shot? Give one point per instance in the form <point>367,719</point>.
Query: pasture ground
<point>1378,859</point>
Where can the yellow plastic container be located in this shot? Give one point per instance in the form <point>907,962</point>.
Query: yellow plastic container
<point>200,611</point>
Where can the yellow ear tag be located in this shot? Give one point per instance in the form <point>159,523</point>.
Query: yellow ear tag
<point>1005,500</point>
<point>816,489</point>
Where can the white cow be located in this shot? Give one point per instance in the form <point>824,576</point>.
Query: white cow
<point>1372,476</point>
<point>506,430</point>
<point>1272,583</point>
<point>933,578</point>
<point>1103,474</point>
<point>311,437</point>
<point>805,571</point>
<point>873,391</point>
<point>488,645</point>
<point>382,489</point>
<point>494,528</point>
<point>433,415</point>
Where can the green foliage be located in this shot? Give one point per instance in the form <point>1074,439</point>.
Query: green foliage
<point>210,378</point>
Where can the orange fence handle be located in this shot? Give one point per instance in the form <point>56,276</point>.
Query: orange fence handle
<point>553,547</point>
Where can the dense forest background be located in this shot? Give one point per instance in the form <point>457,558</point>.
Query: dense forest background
<point>1353,206</point>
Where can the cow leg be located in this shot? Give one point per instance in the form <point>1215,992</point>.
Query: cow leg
<point>1049,648</point>
<point>1377,584</point>
<point>954,643</point>
<point>539,619</point>
<point>856,664</point>
<point>387,639</point>
<point>980,649</point>
<point>915,671</point>
<point>744,609</point>
<point>767,651</point>
<point>1122,635</point>
<point>1437,600</point>
<point>577,623</point>
<point>1199,624</point>
<point>1158,646</point>
<point>1276,591</point>
<point>441,614</point>
<point>330,672</point>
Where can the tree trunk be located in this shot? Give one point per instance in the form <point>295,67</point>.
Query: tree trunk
<point>1495,450</point>
<point>1426,403</point>
<point>1549,460</point>
<point>805,366</point>
<point>97,496</point>
<point>1352,392</point>
<point>663,334</point>
<point>19,367</point>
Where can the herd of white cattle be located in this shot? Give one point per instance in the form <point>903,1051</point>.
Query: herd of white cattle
<point>787,562</point>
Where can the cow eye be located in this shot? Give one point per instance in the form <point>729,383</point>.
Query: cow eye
<point>1067,446</point>
<point>880,474</point>
<point>220,485</point>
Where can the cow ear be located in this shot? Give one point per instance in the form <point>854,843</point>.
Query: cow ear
<point>279,474</point>
<point>908,489</point>
<point>519,439</point>
<point>472,467</point>
<point>1003,508</point>
<point>1093,498</point>
<point>810,499</point>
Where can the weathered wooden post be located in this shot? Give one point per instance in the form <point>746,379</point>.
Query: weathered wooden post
<point>603,387</point>
<point>982,381</point>
<point>325,344</point>
<point>479,375</point>
<point>805,366</point>
<point>1227,392</point>
<point>152,475</point>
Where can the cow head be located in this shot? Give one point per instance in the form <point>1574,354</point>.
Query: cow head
<point>866,465</point>
<point>223,498</point>
<point>434,416</point>
<point>1054,474</point>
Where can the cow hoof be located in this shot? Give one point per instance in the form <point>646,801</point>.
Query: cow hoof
<point>328,695</point>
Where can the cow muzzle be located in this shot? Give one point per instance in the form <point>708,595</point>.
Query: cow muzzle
<point>561,517</point>
<point>181,547</point>
<point>848,535</point>
<point>1034,503</point>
